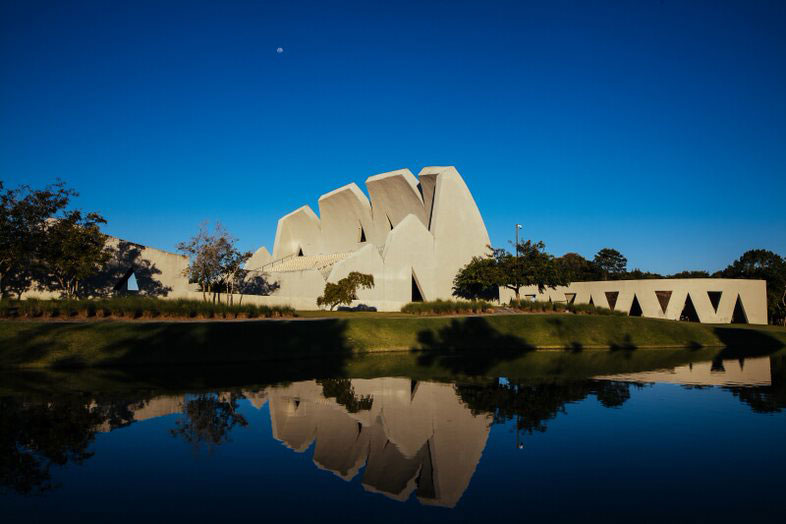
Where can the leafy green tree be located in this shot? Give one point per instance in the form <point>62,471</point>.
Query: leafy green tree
<point>765,265</point>
<point>532,267</point>
<point>24,213</point>
<point>345,290</point>
<point>478,279</point>
<point>73,250</point>
<point>576,268</point>
<point>611,263</point>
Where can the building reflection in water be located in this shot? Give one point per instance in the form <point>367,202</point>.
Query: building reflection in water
<point>402,437</point>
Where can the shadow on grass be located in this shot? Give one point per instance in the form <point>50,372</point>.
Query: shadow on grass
<point>124,344</point>
<point>468,346</point>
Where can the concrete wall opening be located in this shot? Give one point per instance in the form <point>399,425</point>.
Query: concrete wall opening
<point>663,299</point>
<point>570,298</point>
<point>300,252</point>
<point>127,282</point>
<point>635,308</point>
<point>688,313</point>
<point>362,234</point>
<point>739,316</point>
<point>591,303</point>
<point>715,298</point>
<point>611,297</point>
<point>417,295</point>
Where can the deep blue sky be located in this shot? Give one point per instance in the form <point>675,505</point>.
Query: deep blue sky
<point>657,128</point>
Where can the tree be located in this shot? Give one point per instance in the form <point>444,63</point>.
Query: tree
<point>24,213</point>
<point>215,263</point>
<point>345,290</point>
<point>73,249</point>
<point>532,267</point>
<point>477,279</point>
<point>765,265</point>
<point>611,263</point>
<point>576,268</point>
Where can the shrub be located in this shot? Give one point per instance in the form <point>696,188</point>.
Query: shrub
<point>447,307</point>
<point>136,307</point>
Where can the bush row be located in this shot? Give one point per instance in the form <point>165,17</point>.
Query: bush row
<point>579,309</point>
<point>447,307</point>
<point>136,307</point>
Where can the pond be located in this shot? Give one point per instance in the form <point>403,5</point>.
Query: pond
<point>595,436</point>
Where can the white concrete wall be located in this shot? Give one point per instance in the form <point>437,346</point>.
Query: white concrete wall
<point>430,229</point>
<point>752,294</point>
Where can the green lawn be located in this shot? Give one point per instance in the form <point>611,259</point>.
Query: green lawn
<point>487,339</point>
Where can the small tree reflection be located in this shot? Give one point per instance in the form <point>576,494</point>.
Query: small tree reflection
<point>208,420</point>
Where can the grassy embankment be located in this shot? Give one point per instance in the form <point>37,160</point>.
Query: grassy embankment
<point>490,338</point>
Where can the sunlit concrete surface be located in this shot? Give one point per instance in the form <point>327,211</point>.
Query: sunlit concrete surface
<point>714,300</point>
<point>412,234</point>
<point>722,372</point>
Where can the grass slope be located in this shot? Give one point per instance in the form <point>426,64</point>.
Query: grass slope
<point>491,339</point>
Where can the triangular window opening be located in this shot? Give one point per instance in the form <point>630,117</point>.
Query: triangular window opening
<point>663,298</point>
<point>300,252</point>
<point>715,298</point>
<point>570,297</point>
<point>689,312</point>
<point>635,308</point>
<point>591,302</point>
<point>417,296</point>
<point>362,234</point>
<point>132,284</point>
<point>611,296</point>
<point>739,316</point>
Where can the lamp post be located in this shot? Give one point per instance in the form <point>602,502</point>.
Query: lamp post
<point>518,226</point>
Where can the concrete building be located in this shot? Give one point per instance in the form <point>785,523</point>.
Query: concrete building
<point>413,234</point>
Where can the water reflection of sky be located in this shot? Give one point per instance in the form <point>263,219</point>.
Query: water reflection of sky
<point>633,445</point>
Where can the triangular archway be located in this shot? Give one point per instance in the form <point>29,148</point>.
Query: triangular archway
<point>417,295</point>
<point>739,316</point>
<point>715,298</point>
<point>611,297</point>
<point>570,298</point>
<point>300,252</point>
<point>591,302</point>
<point>689,311</point>
<point>132,284</point>
<point>663,299</point>
<point>362,234</point>
<point>635,308</point>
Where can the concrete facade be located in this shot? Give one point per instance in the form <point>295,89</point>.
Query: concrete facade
<point>413,235</point>
<point>714,300</point>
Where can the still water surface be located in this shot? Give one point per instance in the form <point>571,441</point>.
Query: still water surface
<point>701,440</point>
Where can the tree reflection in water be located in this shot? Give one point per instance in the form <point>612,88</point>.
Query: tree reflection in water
<point>208,419</point>
<point>36,435</point>
<point>533,404</point>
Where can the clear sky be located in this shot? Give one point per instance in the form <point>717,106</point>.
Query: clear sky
<point>657,128</point>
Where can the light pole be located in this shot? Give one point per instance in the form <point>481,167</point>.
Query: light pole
<point>518,226</point>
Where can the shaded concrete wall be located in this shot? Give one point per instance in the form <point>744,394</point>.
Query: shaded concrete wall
<point>157,273</point>
<point>752,295</point>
